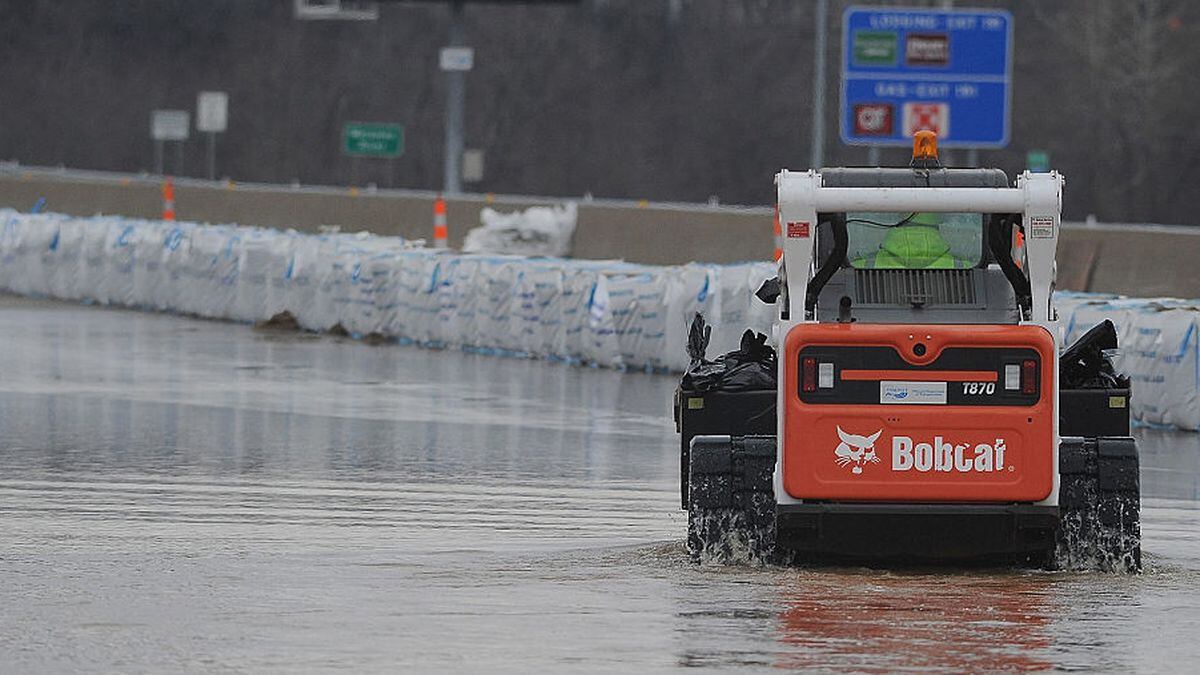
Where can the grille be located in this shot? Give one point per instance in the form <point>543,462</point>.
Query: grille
<point>914,287</point>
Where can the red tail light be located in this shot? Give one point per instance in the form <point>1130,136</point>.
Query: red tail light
<point>1029,376</point>
<point>809,374</point>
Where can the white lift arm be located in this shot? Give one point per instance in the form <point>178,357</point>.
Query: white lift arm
<point>1037,197</point>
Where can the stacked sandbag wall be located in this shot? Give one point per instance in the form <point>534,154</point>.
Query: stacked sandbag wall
<point>607,313</point>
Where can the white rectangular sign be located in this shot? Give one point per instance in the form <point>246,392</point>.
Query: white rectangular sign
<point>169,125</point>
<point>472,166</point>
<point>457,58</point>
<point>912,393</point>
<point>212,111</point>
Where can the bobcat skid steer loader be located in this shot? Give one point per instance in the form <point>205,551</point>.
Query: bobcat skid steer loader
<point>917,405</point>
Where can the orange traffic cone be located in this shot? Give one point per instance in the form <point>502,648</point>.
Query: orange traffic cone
<point>441,232</point>
<point>168,197</point>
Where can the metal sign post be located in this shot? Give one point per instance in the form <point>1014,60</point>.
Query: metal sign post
<point>455,61</point>
<point>169,125</point>
<point>212,118</point>
<point>905,70</point>
<point>817,151</point>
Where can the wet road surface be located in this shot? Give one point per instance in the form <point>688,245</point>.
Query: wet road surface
<point>183,495</point>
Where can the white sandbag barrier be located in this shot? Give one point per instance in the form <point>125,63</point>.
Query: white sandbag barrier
<point>606,313</point>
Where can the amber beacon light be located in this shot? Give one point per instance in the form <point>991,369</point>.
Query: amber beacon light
<point>925,148</point>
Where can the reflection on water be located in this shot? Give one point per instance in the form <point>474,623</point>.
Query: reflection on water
<point>190,495</point>
<point>943,622</point>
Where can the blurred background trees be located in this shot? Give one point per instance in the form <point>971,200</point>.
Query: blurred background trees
<point>657,99</point>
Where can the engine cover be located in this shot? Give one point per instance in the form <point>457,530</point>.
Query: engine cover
<point>918,413</point>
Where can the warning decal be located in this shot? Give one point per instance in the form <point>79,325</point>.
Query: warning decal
<point>1041,228</point>
<point>798,230</point>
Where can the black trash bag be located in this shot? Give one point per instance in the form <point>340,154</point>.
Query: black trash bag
<point>769,291</point>
<point>1087,364</point>
<point>750,367</point>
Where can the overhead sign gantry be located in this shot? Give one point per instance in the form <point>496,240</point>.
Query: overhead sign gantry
<point>907,70</point>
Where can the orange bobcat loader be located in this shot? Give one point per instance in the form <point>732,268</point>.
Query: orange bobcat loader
<point>917,412</point>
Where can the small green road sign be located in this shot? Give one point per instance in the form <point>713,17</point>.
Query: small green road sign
<point>874,48</point>
<point>1037,161</point>
<point>364,139</point>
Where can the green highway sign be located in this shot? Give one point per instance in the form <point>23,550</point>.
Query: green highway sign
<point>365,139</point>
<point>1037,161</point>
<point>874,48</point>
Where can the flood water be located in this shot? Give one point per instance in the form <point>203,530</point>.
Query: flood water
<point>184,495</point>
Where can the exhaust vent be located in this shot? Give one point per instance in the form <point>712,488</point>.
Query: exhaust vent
<point>914,288</point>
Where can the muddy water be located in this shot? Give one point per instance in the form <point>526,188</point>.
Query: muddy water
<point>182,495</point>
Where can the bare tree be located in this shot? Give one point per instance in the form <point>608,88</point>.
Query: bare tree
<point>658,99</point>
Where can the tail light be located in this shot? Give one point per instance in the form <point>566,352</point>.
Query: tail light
<point>808,377</point>
<point>1029,376</point>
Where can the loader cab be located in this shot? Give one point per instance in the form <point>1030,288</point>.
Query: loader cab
<point>917,266</point>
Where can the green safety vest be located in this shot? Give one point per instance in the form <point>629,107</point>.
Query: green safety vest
<point>911,247</point>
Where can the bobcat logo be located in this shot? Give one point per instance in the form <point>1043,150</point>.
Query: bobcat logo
<point>856,450</point>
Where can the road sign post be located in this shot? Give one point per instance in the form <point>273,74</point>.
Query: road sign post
<point>173,126</point>
<point>212,118</point>
<point>904,70</point>
<point>455,60</point>
<point>816,155</point>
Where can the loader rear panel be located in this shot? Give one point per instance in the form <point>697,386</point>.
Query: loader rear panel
<point>917,532</point>
<point>918,413</point>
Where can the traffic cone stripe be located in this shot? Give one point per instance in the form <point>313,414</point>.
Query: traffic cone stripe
<point>441,232</point>
<point>168,197</point>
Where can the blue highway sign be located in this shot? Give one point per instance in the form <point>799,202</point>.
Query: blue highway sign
<point>905,70</point>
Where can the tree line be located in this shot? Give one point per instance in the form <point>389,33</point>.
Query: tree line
<point>659,99</point>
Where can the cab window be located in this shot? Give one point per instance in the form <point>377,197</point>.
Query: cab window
<point>914,240</point>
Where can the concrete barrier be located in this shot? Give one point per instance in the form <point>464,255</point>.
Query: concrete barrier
<point>1137,260</point>
<point>653,234</point>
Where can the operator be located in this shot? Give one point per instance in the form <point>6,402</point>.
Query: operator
<point>916,243</point>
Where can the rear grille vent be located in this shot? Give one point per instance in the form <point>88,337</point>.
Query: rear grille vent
<point>914,287</point>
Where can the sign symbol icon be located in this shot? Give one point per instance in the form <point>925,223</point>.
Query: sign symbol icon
<point>933,117</point>
<point>873,119</point>
<point>927,50</point>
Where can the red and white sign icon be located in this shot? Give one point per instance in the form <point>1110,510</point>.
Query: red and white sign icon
<point>933,117</point>
<point>872,119</point>
<point>798,230</point>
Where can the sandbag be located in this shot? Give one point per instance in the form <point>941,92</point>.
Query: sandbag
<point>536,231</point>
